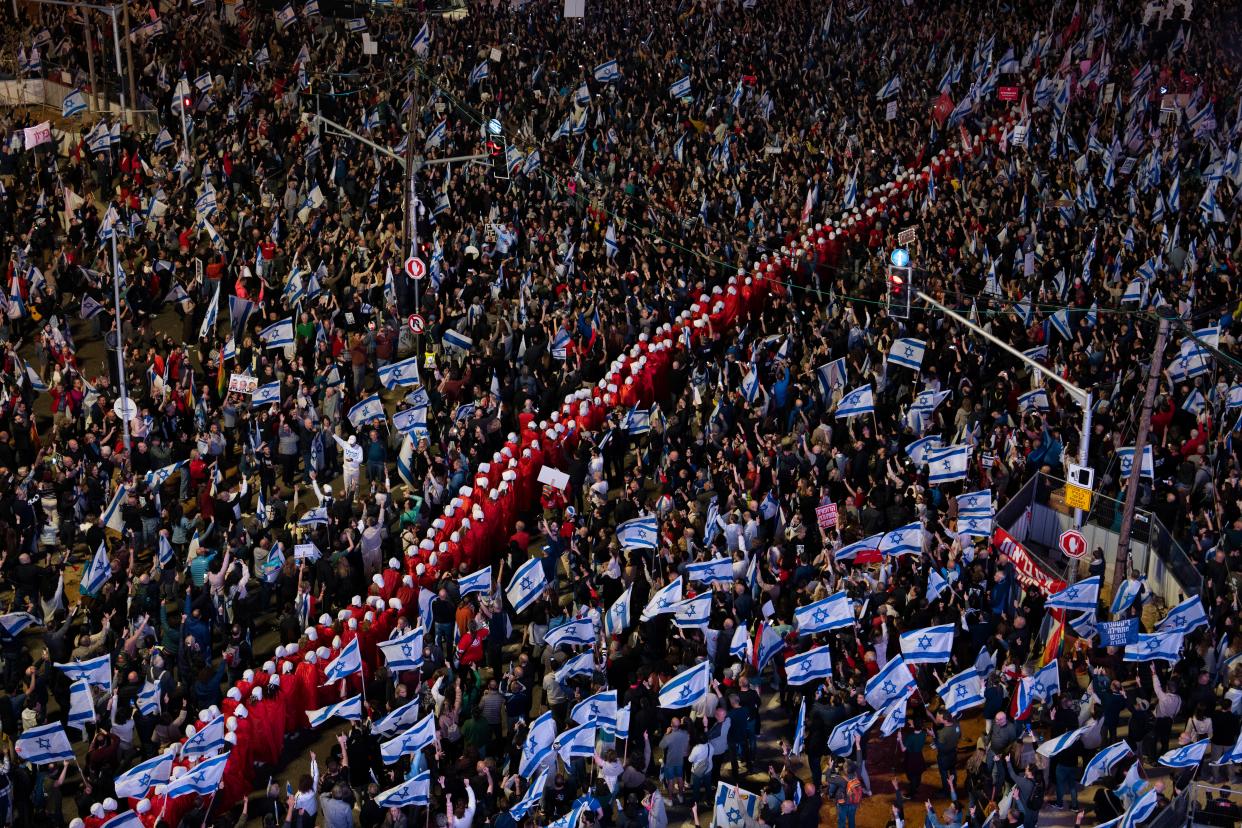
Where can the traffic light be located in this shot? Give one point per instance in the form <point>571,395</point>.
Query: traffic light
<point>187,103</point>
<point>899,290</point>
<point>497,148</point>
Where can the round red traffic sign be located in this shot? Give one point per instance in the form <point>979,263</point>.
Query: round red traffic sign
<point>1072,543</point>
<point>414,268</point>
<point>417,323</point>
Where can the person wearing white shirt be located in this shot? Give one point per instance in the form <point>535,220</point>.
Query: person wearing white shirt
<point>467,816</point>
<point>351,453</point>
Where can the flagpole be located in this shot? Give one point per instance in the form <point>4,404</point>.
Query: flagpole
<point>211,800</point>
<point>120,340</point>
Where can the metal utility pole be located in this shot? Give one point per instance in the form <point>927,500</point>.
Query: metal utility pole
<point>1121,565</point>
<point>129,60</point>
<point>90,62</point>
<point>409,204</point>
<point>120,344</point>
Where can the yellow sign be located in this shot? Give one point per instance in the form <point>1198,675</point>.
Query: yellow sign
<point>1076,497</point>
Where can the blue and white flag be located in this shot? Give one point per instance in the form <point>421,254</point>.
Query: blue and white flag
<point>579,632</point>
<point>480,581</point>
<point>680,88</point>
<point>400,374</point>
<point>904,540</point>
<point>527,585</point>
<point>663,601</point>
<point>148,700</point>
<point>203,780</point>
<point>1186,756</point>
<point>639,533</point>
<point>687,687</point>
<point>1125,460</point>
<point>607,72</point>
<point>367,411</point>
<point>832,375</point>
<point>575,743</point>
<point>962,691</point>
<point>454,339</point>
<point>205,741</point>
<point>894,681</point>
<point>1186,617</point>
<point>1155,647</point>
<point>1080,596</point>
<point>278,334</point>
<point>618,618</point>
<point>929,645</point>
<point>849,553</point>
<point>1144,806</point>
<point>600,708</point>
<point>917,451</point>
<point>908,353</point>
<point>350,710</point>
<point>404,652</point>
<point>1045,683</point>
<point>1036,400</point>
<point>81,705</point>
<point>12,624</point>
<point>537,748</point>
<point>268,394</point>
<point>693,613</point>
<point>414,791</point>
<point>831,613</point>
<point>97,572</point>
<point>944,465</point>
<point>936,584</point>
<point>480,72</point>
<point>813,665</point>
<point>715,571</point>
<point>799,739</point>
<point>411,421</point>
<point>841,740</point>
<point>44,745</point>
<point>73,104</point>
<point>1104,763</point>
<point>422,40</point>
<point>532,797</point>
<point>421,734</point>
<point>158,477</point>
<point>889,89</point>
<point>97,671</point>
<point>735,806</point>
<point>859,401</point>
<point>344,665</point>
<point>137,782</point>
<point>399,719</point>
<point>1053,746</point>
<point>1125,596</point>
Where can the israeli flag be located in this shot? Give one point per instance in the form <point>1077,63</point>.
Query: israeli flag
<point>527,585</point>
<point>12,624</point>
<point>480,581</point>
<point>693,613</point>
<point>344,665</point>
<point>350,710</point>
<point>577,633</point>
<point>419,736</point>
<point>1186,617</point>
<point>917,451</point>
<point>908,353</point>
<point>268,394</point>
<point>537,748</point>
<point>813,665</point>
<point>1125,459</point>
<point>831,613</point>
<point>617,620</point>
<point>203,780</point>
<point>1080,596</point>
<point>207,740</point>
<point>948,464</point>
<point>607,72</point>
<point>929,645</point>
<point>962,691</point>
<point>163,141</point>
<point>453,339</point>
<point>663,601</point>
<point>975,504</point>
<point>637,422</point>
<point>1155,647</point>
<point>44,745</point>
<point>278,334</point>
<point>799,739</point>
<point>1104,763</point>
<point>318,515</point>
<point>400,374</point>
<point>639,533</point>
<point>841,740</point>
<point>849,553</point>
<point>209,320</point>
<point>404,652</point>
<point>750,386</point>
<point>1186,756</point>
<point>532,797</point>
<point>715,571</point>
<point>422,40</point>
<point>480,72</point>
<point>687,687</point>
<point>904,540</point>
<point>136,782</point>
<point>414,791</point>
<point>73,104</point>
<point>832,375</point>
<point>411,421</point>
<point>894,681</point>
<point>936,584</point>
<point>160,476</point>
<point>97,572</point>
<point>580,665</point>
<point>399,719</point>
<point>575,743</point>
<point>1052,747</point>
<point>81,704</point>
<point>889,89</point>
<point>600,709</point>
<point>735,806</point>
<point>1046,682</point>
<point>1036,400</point>
<point>367,411</point>
<point>355,25</point>
<point>96,671</point>
<point>149,699</point>
<point>859,401</point>
<point>680,88</point>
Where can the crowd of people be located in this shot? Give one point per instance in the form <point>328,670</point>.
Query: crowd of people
<point>543,537</point>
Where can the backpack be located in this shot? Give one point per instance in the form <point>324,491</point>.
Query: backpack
<point>854,791</point>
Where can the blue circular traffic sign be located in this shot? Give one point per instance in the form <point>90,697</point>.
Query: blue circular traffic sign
<point>900,257</point>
